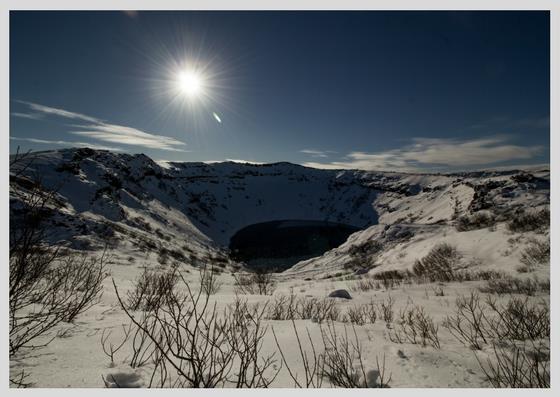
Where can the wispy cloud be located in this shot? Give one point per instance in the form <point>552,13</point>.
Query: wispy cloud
<point>101,130</point>
<point>432,154</point>
<point>32,116</point>
<point>129,136</point>
<point>65,143</point>
<point>317,153</point>
<point>60,112</point>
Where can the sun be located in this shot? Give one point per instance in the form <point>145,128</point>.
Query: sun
<point>189,83</point>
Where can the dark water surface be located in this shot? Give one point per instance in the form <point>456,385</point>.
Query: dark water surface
<point>281,244</point>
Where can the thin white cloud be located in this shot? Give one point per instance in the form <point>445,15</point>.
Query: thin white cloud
<point>32,116</point>
<point>60,112</point>
<point>129,136</point>
<point>432,154</point>
<point>101,130</point>
<point>317,153</point>
<point>65,143</point>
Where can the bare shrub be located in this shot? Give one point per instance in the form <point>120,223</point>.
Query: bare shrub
<point>163,258</point>
<point>438,291</point>
<point>478,220</point>
<point>390,283</point>
<point>51,289</point>
<point>151,289</point>
<point>356,315</point>
<point>500,286</point>
<point>143,348</point>
<point>209,281</point>
<point>511,285</point>
<point>526,221</point>
<point>524,269</point>
<point>370,311</point>
<point>326,310</point>
<point>313,363</point>
<point>538,252</point>
<point>484,275</point>
<point>257,283</point>
<point>290,307</point>
<point>264,281</point>
<point>439,264</point>
<point>417,327</point>
<point>469,325</point>
<point>246,337</point>
<point>305,308</point>
<point>386,312</point>
<point>518,367</point>
<point>362,314</point>
<point>543,285</point>
<point>390,274</point>
<point>476,324</point>
<point>519,319</point>
<point>365,284</point>
<point>363,254</point>
<point>79,283</point>
<point>282,307</point>
<point>204,348</point>
<point>244,284</point>
<point>388,279</point>
<point>46,286</point>
<point>108,347</point>
<point>343,361</point>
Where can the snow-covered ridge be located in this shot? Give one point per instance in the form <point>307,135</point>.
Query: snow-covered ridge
<point>195,208</point>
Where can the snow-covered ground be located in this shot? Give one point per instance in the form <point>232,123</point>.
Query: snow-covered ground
<point>184,214</point>
<point>76,358</point>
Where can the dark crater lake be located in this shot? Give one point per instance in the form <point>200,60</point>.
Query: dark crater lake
<point>281,244</point>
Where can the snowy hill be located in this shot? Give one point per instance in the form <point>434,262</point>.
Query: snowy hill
<point>495,226</point>
<point>193,209</point>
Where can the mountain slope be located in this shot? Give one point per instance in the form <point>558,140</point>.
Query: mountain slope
<point>191,210</point>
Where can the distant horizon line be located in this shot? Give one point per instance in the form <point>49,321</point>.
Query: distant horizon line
<point>517,167</point>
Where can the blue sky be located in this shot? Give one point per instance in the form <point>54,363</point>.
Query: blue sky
<point>372,90</point>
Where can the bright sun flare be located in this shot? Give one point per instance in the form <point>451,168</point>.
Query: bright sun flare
<point>189,83</point>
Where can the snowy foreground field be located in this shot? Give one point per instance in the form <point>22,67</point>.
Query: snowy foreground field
<point>445,285</point>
